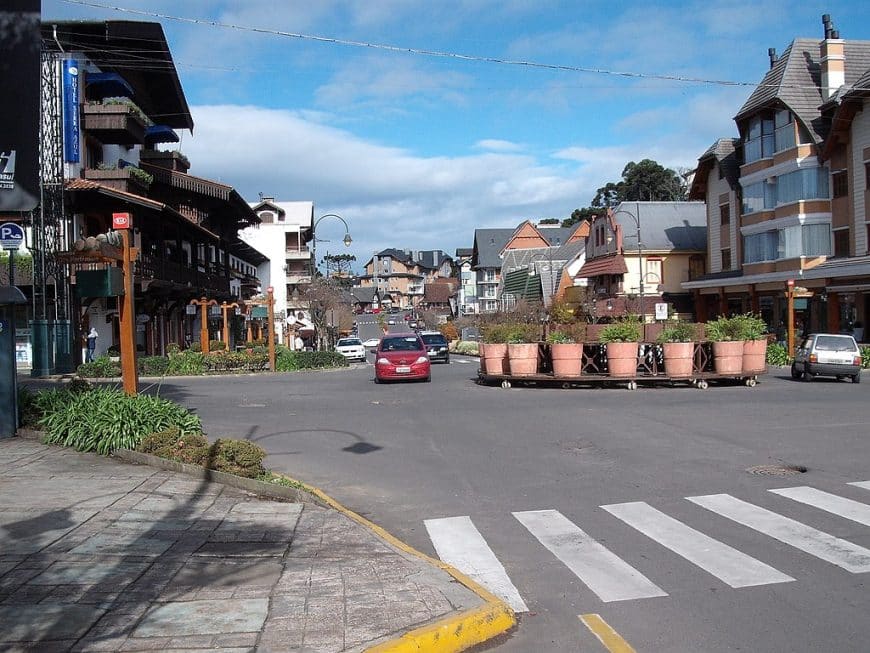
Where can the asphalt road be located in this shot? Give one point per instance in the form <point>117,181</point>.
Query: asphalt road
<point>405,453</point>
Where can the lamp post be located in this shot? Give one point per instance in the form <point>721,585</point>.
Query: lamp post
<point>636,220</point>
<point>203,304</point>
<point>226,330</point>
<point>347,240</point>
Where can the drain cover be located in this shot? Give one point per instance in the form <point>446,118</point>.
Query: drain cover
<point>776,470</point>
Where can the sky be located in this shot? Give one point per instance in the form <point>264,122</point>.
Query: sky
<point>291,99</point>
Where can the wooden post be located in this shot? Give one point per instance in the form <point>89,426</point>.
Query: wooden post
<point>127,317</point>
<point>270,302</point>
<point>790,309</point>
<point>203,304</point>
<point>250,334</point>
<point>226,330</point>
<point>834,313</point>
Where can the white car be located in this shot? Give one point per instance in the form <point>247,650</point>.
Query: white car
<point>351,348</point>
<point>371,343</point>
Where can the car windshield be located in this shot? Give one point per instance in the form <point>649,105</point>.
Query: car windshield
<point>346,342</point>
<point>834,343</point>
<point>434,339</point>
<point>406,343</point>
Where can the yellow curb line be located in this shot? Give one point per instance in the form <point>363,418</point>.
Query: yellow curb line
<point>605,633</point>
<point>451,634</point>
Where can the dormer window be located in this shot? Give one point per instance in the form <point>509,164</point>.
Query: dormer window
<point>267,216</point>
<point>759,142</point>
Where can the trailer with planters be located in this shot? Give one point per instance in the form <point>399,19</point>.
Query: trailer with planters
<point>625,365</point>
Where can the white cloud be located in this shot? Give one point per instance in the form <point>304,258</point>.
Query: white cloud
<point>497,145</point>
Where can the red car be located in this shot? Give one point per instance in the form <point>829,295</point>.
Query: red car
<point>401,356</point>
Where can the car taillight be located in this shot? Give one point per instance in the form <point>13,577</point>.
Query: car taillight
<point>814,358</point>
<point>857,361</point>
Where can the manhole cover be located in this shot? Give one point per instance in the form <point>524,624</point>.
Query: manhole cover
<point>776,470</point>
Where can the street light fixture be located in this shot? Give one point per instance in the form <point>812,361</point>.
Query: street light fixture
<point>347,240</point>
<point>636,220</point>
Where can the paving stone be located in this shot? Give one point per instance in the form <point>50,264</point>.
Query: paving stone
<point>35,623</point>
<point>204,617</point>
<point>243,549</point>
<point>85,573</point>
<point>123,542</point>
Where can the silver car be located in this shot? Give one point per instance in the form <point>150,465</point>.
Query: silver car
<point>827,354</point>
<point>351,348</point>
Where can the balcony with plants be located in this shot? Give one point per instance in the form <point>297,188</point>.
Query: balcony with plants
<point>115,121</point>
<point>128,178</point>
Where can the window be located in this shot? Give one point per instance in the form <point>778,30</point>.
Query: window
<point>839,184</point>
<point>790,242</point>
<point>785,137</point>
<point>759,196</point>
<point>759,141</point>
<point>760,247</point>
<point>806,184</point>
<point>726,259</point>
<point>841,242</point>
<point>724,214</point>
<point>267,216</point>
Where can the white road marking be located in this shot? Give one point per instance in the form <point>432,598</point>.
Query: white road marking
<point>459,543</point>
<point>722,561</point>
<point>842,553</point>
<point>847,508</point>
<point>861,484</point>
<point>603,572</point>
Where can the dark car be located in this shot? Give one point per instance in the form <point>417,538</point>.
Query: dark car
<point>436,346</point>
<point>402,356</point>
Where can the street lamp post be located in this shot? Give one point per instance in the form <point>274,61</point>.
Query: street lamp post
<point>636,220</point>
<point>347,240</point>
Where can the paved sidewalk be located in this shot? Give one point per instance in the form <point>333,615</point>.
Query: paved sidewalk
<point>100,555</point>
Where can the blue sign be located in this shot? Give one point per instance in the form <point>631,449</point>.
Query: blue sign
<point>71,144</point>
<point>11,235</point>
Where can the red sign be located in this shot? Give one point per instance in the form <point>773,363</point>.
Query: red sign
<point>270,290</point>
<point>121,221</point>
<point>790,283</point>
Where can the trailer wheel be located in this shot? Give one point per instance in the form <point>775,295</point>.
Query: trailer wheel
<point>751,382</point>
<point>506,384</point>
<point>632,385</point>
<point>566,386</point>
<point>702,385</point>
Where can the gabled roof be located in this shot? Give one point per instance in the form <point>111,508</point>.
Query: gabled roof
<point>438,292</point>
<point>794,81</point>
<point>464,252</point>
<point>724,153</point>
<point>138,52</point>
<point>524,236</point>
<point>664,226</point>
<point>488,243</point>
<point>295,212</point>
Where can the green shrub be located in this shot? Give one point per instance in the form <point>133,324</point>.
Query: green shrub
<point>290,361</point>
<point>725,329</point>
<point>518,333</point>
<point>173,348</point>
<point>467,347</point>
<point>678,332</point>
<point>865,357</point>
<point>560,338</point>
<point>103,419</point>
<point>100,368</point>
<point>752,327</point>
<point>152,365</point>
<point>160,443</point>
<point>195,346</point>
<point>238,457</point>
<point>28,409</point>
<point>777,355</point>
<point>217,345</point>
<point>185,363</point>
<point>191,448</point>
<point>625,330</point>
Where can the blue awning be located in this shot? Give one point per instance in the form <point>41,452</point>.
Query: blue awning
<point>105,85</point>
<point>160,134</point>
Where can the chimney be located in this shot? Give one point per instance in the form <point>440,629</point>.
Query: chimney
<point>833,60</point>
<point>771,53</point>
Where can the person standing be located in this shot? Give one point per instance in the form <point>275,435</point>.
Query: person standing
<point>92,344</point>
<point>297,343</point>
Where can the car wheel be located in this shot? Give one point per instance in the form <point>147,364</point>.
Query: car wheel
<point>807,376</point>
<point>428,379</point>
<point>857,378</point>
<point>377,380</point>
<point>794,372</point>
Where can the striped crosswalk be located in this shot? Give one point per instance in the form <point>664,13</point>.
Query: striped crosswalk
<point>458,542</point>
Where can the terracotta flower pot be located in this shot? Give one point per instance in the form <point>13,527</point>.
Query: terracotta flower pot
<point>523,358</point>
<point>728,357</point>
<point>567,358</point>
<point>678,358</point>
<point>622,358</point>
<point>754,356</point>
<point>496,358</point>
<point>481,352</point>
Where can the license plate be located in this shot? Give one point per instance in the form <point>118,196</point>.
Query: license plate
<point>403,370</point>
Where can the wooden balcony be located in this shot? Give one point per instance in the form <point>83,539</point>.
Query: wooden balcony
<point>153,268</point>
<point>113,124</point>
<point>119,178</point>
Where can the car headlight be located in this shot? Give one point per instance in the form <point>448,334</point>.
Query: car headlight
<point>383,361</point>
<point>422,359</point>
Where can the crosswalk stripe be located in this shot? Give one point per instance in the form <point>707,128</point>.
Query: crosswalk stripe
<point>603,572</point>
<point>458,542</point>
<point>722,561</point>
<point>841,506</point>
<point>861,484</point>
<point>842,553</point>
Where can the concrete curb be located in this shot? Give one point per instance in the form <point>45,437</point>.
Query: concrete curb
<point>448,635</point>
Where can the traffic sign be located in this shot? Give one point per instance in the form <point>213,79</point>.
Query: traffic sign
<point>791,283</point>
<point>121,221</point>
<point>11,235</point>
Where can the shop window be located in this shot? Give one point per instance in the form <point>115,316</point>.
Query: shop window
<point>840,182</point>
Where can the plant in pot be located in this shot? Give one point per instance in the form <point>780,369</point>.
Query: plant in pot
<point>493,354</point>
<point>678,348</point>
<point>622,340</point>
<point>726,334</point>
<point>522,342</point>
<point>566,351</point>
<point>754,334</point>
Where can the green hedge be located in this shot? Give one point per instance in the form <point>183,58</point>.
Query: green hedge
<point>290,361</point>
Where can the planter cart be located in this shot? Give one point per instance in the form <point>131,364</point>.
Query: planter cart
<point>650,370</point>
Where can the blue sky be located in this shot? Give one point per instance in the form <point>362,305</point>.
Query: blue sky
<point>417,151</point>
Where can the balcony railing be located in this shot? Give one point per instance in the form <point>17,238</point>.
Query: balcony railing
<point>298,278</point>
<point>113,124</point>
<point>297,253</point>
<point>209,277</point>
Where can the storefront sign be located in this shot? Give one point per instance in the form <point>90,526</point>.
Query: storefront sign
<point>71,143</point>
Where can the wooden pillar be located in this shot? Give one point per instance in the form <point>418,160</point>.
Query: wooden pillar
<point>700,306</point>
<point>790,309</point>
<point>753,301</point>
<point>127,318</point>
<point>834,313</point>
<point>723,302</point>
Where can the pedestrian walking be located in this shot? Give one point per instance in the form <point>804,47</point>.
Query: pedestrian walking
<point>92,344</point>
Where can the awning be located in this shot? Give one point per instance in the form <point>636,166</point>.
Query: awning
<point>103,85</point>
<point>160,134</point>
<point>605,265</point>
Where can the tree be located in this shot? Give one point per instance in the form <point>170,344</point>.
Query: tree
<point>549,221</point>
<point>578,215</point>
<point>646,181</point>
<point>324,302</point>
<point>338,267</point>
